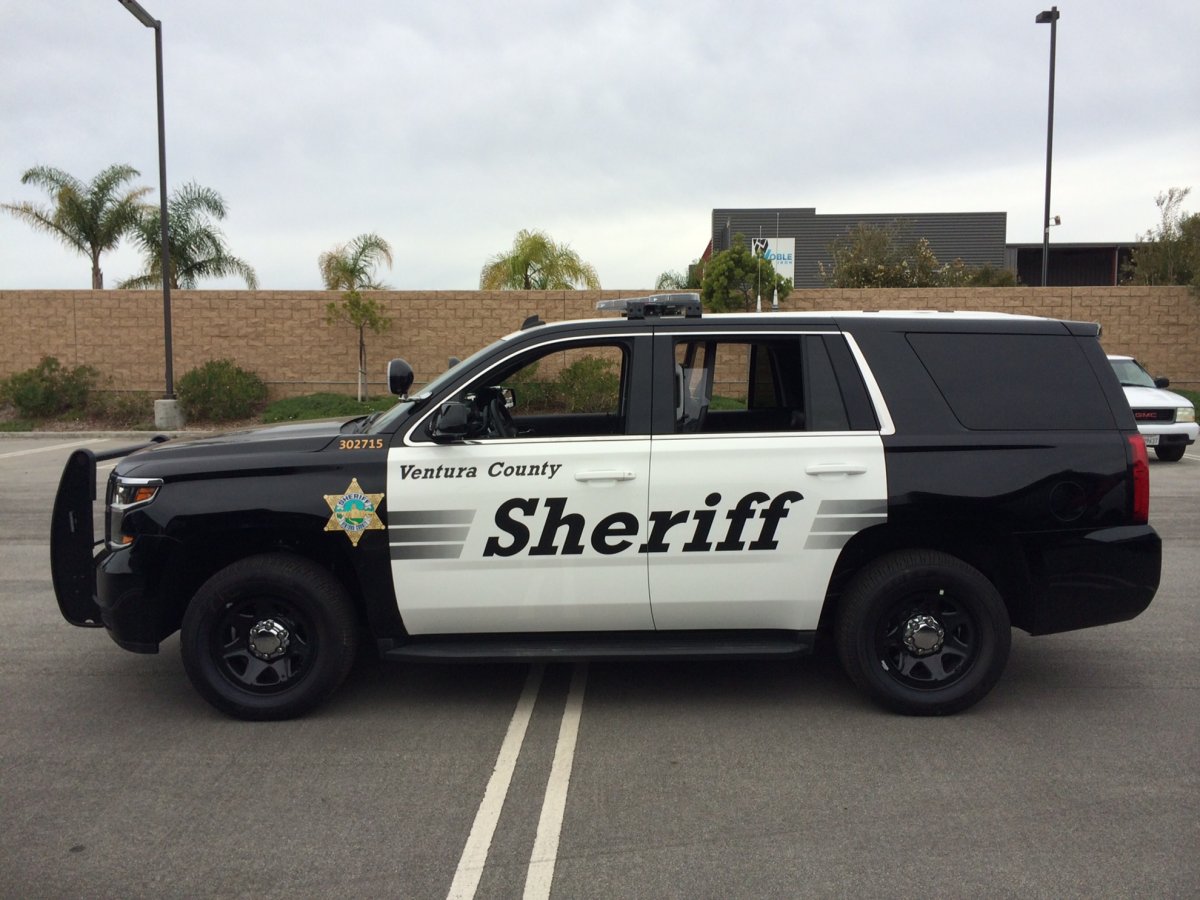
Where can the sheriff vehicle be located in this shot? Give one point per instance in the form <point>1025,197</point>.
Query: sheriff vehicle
<point>665,484</point>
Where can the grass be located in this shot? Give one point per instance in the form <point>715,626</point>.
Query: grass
<point>135,413</point>
<point>322,406</point>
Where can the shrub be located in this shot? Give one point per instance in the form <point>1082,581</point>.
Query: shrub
<point>48,389</point>
<point>219,391</point>
<point>123,409</point>
<point>589,385</point>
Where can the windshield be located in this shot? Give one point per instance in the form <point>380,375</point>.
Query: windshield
<point>385,421</point>
<point>1130,374</point>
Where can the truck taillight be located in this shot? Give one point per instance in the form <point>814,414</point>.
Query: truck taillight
<point>1141,479</point>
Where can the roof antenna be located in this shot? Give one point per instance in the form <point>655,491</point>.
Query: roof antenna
<point>532,322</point>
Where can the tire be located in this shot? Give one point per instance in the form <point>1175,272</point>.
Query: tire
<point>269,637</point>
<point>1171,452</point>
<point>923,633</point>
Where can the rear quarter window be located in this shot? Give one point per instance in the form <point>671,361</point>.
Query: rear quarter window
<point>1014,382</point>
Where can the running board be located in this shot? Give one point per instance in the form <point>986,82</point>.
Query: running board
<point>587,647</point>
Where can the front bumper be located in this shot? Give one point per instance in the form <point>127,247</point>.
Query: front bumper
<point>125,598</point>
<point>1169,434</point>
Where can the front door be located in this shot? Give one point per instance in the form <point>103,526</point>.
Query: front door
<point>528,525</point>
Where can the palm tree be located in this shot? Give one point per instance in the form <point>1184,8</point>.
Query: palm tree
<point>92,217</point>
<point>196,245</point>
<point>351,268</point>
<point>537,263</point>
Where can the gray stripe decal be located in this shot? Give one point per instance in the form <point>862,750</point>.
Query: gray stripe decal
<point>826,541</point>
<point>426,551</point>
<point>430,517</point>
<point>846,523</point>
<point>852,507</point>
<point>427,535</point>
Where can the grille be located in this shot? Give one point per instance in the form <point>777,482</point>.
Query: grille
<point>1154,415</point>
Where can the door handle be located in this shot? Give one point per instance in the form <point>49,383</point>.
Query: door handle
<point>605,475</point>
<point>836,469</point>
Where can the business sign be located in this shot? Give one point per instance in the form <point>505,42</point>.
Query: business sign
<point>780,251</point>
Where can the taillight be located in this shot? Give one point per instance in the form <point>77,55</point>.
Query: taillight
<point>1140,469</point>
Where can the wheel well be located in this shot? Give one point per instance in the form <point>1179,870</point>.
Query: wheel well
<point>192,563</point>
<point>997,556</point>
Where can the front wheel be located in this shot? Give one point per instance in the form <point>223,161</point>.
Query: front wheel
<point>923,633</point>
<point>268,637</point>
<point>1170,452</point>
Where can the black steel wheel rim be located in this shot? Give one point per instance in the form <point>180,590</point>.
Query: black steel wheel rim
<point>939,668</point>
<point>231,645</point>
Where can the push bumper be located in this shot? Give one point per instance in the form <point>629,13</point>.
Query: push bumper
<point>75,554</point>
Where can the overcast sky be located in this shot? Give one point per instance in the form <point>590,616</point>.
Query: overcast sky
<point>617,127</point>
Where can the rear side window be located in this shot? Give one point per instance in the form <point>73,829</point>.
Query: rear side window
<point>1014,382</point>
<point>740,384</point>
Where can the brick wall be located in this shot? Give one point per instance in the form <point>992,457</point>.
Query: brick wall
<point>282,335</point>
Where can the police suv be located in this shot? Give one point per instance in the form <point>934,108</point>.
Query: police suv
<point>664,484</point>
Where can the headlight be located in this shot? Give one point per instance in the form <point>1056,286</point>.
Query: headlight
<point>125,494</point>
<point>1185,414</point>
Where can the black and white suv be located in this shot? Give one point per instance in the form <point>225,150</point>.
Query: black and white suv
<point>665,484</point>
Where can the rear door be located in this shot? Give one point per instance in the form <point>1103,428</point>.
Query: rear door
<point>768,462</point>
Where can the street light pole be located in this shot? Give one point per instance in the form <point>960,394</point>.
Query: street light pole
<point>149,21</point>
<point>1048,16</point>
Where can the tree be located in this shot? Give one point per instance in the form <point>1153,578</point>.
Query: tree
<point>351,268</point>
<point>196,245</point>
<point>92,218</point>
<point>877,256</point>
<point>1169,253</point>
<point>734,279</point>
<point>537,263</point>
<point>679,281</point>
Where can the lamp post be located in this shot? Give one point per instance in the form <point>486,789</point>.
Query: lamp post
<point>167,410</point>
<point>1049,16</point>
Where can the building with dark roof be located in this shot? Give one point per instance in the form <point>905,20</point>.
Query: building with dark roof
<point>977,238</point>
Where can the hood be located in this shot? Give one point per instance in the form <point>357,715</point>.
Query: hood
<point>258,448</point>
<point>1153,398</point>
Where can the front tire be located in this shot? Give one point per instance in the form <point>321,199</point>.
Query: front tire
<point>268,637</point>
<point>923,633</point>
<point>1171,452</point>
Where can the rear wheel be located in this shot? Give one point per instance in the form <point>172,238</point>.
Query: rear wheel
<point>923,633</point>
<point>1171,452</point>
<point>268,637</point>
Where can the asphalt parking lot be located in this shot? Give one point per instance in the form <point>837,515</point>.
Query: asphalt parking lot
<point>1078,776</point>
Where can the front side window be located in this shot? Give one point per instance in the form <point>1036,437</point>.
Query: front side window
<point>558,390</point>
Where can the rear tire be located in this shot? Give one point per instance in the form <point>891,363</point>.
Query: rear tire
<point>269,637</point>
<point>923,633</point>
<point>1171,453</point>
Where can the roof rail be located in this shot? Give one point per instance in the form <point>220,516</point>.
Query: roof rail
<point>655,306</point>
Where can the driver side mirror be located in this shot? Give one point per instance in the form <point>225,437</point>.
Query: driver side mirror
<point>450,423</point>
<point>400,377</point>
<point>1162,382</point>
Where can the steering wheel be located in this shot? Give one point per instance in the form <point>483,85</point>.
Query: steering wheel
<point>497,420</point>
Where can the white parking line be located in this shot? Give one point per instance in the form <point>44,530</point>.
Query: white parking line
<point>545,847</point>
<point>13,453</point>
<point>474,855</point>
